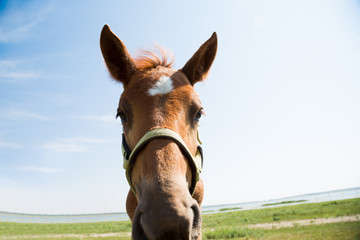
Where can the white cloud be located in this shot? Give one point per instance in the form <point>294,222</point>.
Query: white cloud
<point>104,118</point>
<point>18,32</point>
<point>8,63</point>
<point>59,99</point>
<point>12,71</point>
<point>87,140</point>
<point>4,144</point>
<point>19,75</point>
<point>18,23</point>
<point>23,115</point>
<point>42,169</point>
<point>65,147</point>
<point>258,22</point>
<point>78,144</point>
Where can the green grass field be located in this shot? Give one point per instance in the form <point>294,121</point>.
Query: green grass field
<point>229,225</point>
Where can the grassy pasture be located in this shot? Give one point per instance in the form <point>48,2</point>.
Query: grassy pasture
<point>227,225</point>
<point>341,231</point>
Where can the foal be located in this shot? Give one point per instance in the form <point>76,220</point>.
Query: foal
<point>160,111</point>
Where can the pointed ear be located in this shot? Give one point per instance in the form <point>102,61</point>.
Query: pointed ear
<point>199,65</point>
<point>117,58</point>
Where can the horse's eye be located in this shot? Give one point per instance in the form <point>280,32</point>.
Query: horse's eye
<point>122,116</point>
<point>198,115</point>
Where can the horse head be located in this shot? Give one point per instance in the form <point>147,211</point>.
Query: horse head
<point>165,196</point>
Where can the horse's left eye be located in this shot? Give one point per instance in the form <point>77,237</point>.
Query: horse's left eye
<point>198,115</point>
<point>122,116</point>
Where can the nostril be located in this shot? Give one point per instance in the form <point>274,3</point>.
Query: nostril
<point>196,224</point>
<point>137,229</point>
<point>197,217</point>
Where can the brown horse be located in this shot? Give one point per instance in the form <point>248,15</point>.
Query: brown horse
<point>160,111</point>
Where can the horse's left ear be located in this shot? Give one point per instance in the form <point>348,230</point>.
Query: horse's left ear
<point>199,65</point>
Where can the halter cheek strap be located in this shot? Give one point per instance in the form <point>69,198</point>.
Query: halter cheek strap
<point>195,162</point>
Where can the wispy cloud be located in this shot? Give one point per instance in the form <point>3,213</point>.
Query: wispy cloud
<point>102,118</point>
<point>86,140</point>
<point>18,32</point>
<point>42,169</point>
<point>352,43</point>
<point>59,99</point>
<point>12,71</point>
<point>22,115</point>
<point>65,147</point>
<point>4,144</point>
<point>79,144</point>
<point>258,22</point>
<point>19,22</point>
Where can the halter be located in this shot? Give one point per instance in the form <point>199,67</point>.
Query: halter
<point>196,162</point>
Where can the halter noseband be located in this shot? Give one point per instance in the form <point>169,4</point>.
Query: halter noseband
<point>196,162</point>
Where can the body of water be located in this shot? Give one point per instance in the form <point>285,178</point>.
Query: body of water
<point>309,198</point>
<point>105,217</point>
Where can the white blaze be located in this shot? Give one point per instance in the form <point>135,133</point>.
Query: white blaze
<point>163,86</point>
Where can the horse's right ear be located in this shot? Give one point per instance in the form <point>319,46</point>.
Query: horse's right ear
<point>117,58</point>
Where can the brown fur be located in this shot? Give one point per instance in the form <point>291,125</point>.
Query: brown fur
<point>163,207</point>
<point>153,59</point>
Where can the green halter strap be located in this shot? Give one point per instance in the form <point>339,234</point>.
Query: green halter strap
<point>196,162</point>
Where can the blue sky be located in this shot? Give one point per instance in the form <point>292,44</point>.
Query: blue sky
<point>282,99</point>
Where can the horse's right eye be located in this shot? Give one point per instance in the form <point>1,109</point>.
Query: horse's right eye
<point>199,114</point>
<point>122,116</point>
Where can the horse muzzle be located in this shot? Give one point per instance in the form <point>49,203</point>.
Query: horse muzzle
<point>181,221</point>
